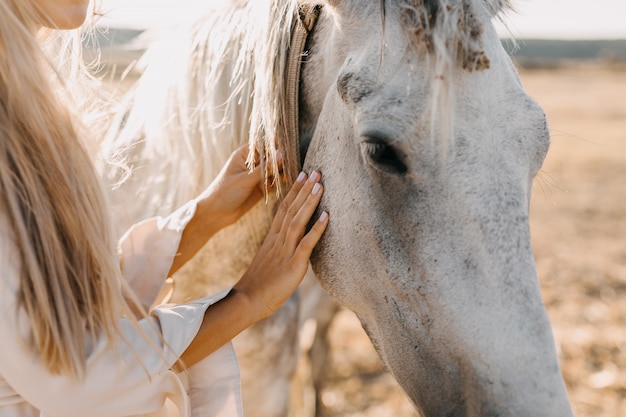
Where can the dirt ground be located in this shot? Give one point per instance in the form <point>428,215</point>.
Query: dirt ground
<point>578,226</point>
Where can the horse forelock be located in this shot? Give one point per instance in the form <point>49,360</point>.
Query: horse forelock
<point>449,35</point>
<point>447,29</point>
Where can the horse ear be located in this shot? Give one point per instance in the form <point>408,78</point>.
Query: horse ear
<point>497,6</point>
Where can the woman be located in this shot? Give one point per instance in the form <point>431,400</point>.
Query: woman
<point>74,340</point>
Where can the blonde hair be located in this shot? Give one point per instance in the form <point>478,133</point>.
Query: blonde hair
<point>70,280</point>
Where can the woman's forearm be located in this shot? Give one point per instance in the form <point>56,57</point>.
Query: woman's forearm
<point>222,322</point>
<point>204,225</point>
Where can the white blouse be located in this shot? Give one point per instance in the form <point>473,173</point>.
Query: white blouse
<point>131,379</point>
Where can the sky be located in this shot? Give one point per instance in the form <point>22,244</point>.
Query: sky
<point>533,19</point>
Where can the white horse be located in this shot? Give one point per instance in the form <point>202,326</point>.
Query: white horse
<point>428,146</point>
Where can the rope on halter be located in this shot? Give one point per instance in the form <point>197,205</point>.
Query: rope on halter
<point>289,146</point>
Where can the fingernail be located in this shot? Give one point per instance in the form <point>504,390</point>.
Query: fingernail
<point>314,176</point>
<point>316,188</point>
<point>301,177</point>
<point>323,217</point>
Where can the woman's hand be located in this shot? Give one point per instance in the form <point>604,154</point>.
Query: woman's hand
<point>235,190</point>
<point>282,261</point>
<point>274,274</point>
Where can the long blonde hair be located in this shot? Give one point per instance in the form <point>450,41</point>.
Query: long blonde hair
<point>70,285</point>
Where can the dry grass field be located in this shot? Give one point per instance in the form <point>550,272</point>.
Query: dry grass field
<point>578,225</point>
<point>578,221</point>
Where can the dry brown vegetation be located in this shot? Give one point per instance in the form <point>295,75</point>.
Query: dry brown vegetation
<point>578,221</point>
<point>578,224</point>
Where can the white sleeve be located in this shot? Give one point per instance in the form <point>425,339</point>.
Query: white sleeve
<point>148,249</point>
<point>133,377</point>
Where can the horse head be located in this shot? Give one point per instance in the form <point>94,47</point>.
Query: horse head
<point>428,146</point>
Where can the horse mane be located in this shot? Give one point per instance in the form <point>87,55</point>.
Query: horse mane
<point>201,94</point>
<point>269,125</point>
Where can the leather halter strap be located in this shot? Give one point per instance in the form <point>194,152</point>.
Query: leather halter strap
<point>305,22</point>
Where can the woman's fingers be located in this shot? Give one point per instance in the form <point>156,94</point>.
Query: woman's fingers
<point>308,242</point>
<point>304,193</point>
<point>287,203</point>
<point>295,211</point>
<point>305,209</point>
<point>298,184</point>
<point>282,260</point>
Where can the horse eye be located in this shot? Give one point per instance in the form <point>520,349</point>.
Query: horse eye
<point>383,156</point>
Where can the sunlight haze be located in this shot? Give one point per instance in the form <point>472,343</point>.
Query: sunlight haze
<point>548,19</point>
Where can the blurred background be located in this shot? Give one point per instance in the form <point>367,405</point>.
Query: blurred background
<point>571,55</point>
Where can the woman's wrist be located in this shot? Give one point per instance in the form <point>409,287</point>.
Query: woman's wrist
<point>250,313</point>
<point>253,295</point>
<point>221,323</point>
